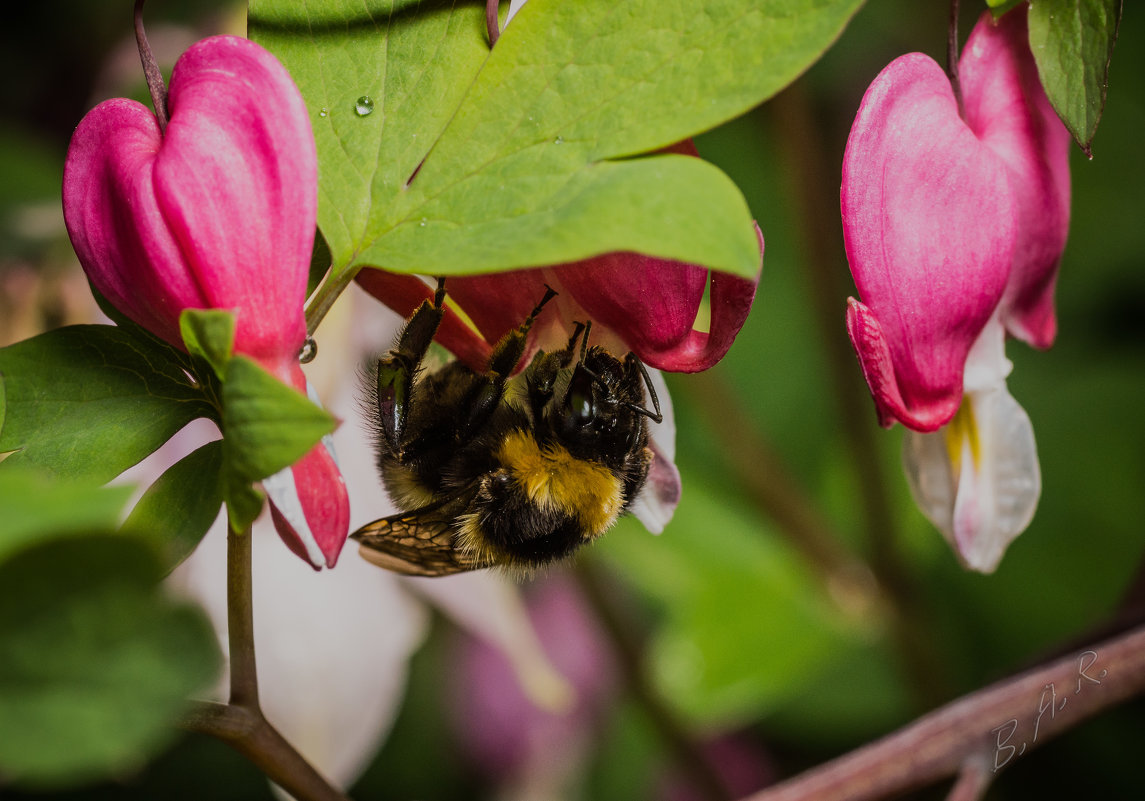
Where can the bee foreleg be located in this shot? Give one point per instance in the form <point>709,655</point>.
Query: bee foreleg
<point>397,370</point>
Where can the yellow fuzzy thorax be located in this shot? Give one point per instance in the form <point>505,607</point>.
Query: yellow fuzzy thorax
<point>554,479</point>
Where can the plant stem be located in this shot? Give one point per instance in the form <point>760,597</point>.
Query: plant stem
<point>984,731</point>
<point>491,21</point>
<point>324,296</point>
<point>249,733</point>
<point>240,621</point>
<point>952,55</point>
<point>241,723</point>
<point>690,759</point>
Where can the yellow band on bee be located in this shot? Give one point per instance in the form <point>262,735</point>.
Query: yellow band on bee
<point>554,479</point>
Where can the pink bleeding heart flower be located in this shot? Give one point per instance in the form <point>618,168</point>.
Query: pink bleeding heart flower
<point>216,211</point>
<point>954,221</point>
<point>636,303</point>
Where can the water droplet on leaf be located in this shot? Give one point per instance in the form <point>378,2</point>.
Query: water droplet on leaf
<point>560,140</point>
<point>325,112</point>
<point>364,106</point>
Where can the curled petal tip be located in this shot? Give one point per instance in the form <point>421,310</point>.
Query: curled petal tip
<point>921,412</point>
<point>310,506</point>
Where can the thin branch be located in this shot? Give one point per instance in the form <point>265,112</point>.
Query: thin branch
<point>151,70</point>
<point>691,761</point>
<point>993,726</point>
<point>973,781</point>
<point>249,733</point>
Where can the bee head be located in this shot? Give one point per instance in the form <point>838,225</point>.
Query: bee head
<point>601,415</point>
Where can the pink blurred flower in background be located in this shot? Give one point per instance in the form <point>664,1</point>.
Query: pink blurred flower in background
<point>954,221</point>
<point>216,211</point>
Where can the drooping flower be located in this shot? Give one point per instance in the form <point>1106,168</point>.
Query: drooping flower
<point>216,211</point>
<point>636,303</point>
<point>954,220</point>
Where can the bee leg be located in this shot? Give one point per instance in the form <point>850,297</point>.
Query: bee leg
<point>488,389</point>
<point>397,370</point>
<point>541,377</point>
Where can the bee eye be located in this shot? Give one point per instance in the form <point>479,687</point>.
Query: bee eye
<point>581,408</point>
<point>580,401</point>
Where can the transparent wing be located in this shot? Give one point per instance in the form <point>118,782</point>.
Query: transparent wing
<point>417,543</point>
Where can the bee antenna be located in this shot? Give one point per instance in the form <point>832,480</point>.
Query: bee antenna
<point>657,416</point>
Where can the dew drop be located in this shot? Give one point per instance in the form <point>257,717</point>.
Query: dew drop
<point>560,140</point>
<point>325,112</point>
<point>364,106</point>
<point>421,223</point>
<point>309,350</point>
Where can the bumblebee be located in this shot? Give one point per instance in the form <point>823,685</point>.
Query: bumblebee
<point>490,469</point>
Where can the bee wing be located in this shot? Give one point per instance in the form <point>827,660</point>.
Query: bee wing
<point>417,543</point>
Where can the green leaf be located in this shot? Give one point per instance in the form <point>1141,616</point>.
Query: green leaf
<point>95,663</point>
<point>266,425</point>
<point>177,509</point>
<point>1072,42</point>
<point>473,161</point>
<point>777,628</point>
<point>1000,7</point>
<point>33,507</point>
<point>209,334</point>
<point>92,400</point>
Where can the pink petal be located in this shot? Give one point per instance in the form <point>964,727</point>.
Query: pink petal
<point>929,226</point>
<point>309,502</point>
<point>651,304</point>
<point>237,181</point>
<point>656,503</point>
<point>1007,108</point>
<point>114,219</point>
<point>219,211</point>
<point>310,506</point>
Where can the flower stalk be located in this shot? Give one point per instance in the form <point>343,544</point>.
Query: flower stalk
<point>151,71</point>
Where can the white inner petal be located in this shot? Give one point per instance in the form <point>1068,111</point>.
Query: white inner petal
<point>977,479</point>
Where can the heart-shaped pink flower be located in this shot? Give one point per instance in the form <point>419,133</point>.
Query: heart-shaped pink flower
<point>217,211</point>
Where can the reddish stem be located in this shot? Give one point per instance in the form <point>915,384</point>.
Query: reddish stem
<point>151,69</point>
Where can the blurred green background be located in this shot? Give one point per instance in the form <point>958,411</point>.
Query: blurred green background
<point>798,600</point>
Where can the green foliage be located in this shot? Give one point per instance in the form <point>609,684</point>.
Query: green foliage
<point>1000,7</point>
<point>95,663</point>
<point>1072,42</point>
<point>268,425</point>
<point>209,334</point>
<point>37,508</point>
<point>180,506</point>
<point>92,400</point>
<point>473,161</point>
<point>746,623</point>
